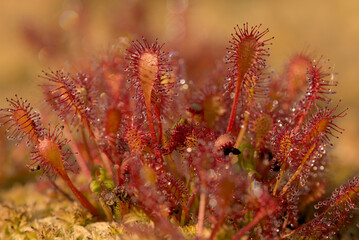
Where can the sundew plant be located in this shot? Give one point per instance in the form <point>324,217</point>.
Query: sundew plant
<point>240,158</point>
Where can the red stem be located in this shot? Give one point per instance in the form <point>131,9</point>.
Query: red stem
<point>82,199</point>
<point>201,214</point>
<point>337,202</point>
<point>191,199</point>
<point>158,116</point>
<point>218,224</point>
<point>150,124</point>
<point>80,159</point>
<point>153,134</point>
<point>234,109</point>
<point>102,155</point>
<point>258,217</point>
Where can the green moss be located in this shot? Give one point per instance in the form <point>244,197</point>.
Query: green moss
<point>28,214</point>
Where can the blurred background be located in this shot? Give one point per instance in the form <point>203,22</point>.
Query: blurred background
<point>41,34</point>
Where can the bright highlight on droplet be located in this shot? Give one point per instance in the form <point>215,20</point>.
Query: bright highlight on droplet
<point>68,19</point>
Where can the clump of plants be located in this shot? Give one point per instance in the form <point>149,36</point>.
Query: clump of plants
<point>243,156</point>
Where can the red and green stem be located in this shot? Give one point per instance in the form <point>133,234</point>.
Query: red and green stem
<point>257,218</point>
<point>234,108</point>
<point>82,199</point>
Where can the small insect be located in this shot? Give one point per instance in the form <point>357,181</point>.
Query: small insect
<point>225,143</point>
<point>233,150</point>
<point>34,168</point>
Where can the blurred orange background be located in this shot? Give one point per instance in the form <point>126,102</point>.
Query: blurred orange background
<point>39,34</point>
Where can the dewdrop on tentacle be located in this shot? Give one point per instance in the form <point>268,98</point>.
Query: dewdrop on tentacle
<point>246,57</point>
<point>320,82</point>
<point>321,125</point>
<point>134,138</point>
<point>262,125</point>
<point>112,123</point>
<point>72,97</point>
<point>21,120</point>
<point>319,88</point>
<point>49,153</point>
<point>246,53</point>
<point>48,144</point>
<point>147,67</point>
